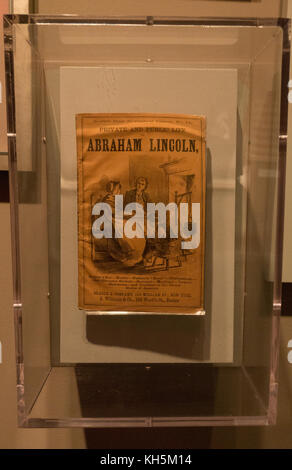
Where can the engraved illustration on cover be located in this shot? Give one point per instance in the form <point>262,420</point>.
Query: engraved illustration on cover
<point>141,213</point>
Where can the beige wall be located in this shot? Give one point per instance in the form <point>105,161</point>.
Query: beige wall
<point>4,8</point>
<point>11,437</point>
<point>287,265</point>
<point>267,8</point>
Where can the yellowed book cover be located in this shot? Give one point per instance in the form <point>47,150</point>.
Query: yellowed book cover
<point>141,213</point>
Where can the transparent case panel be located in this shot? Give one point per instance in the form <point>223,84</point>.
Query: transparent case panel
<point>79,369</point>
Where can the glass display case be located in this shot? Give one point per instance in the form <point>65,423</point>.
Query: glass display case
<point>110,368</point>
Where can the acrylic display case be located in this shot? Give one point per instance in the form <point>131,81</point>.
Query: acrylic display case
<point>78,368</point>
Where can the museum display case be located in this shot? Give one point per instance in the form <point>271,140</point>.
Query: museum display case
<point>116,365</point>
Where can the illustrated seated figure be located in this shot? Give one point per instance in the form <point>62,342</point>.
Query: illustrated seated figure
<point>132,251</point>
<point>129,251</point>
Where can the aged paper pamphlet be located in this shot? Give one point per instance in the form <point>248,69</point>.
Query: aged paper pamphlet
<point>141,213</point>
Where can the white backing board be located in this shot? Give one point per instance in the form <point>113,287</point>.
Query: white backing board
<point>209,92</point>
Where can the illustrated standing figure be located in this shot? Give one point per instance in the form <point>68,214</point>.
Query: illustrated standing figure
<point>138,194</point>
